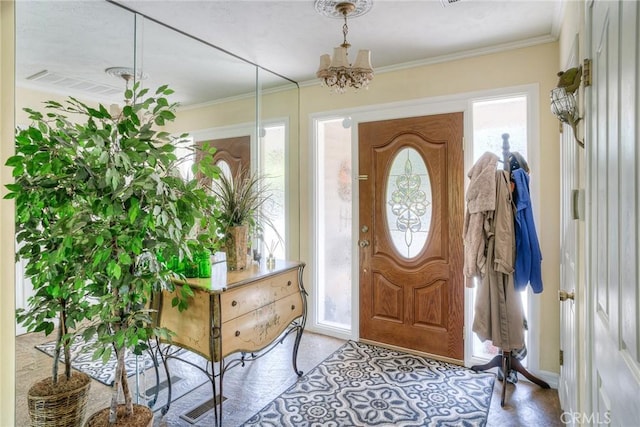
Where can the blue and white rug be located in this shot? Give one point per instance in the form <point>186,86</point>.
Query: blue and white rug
<point>365,385</point>
<point>82,360</point>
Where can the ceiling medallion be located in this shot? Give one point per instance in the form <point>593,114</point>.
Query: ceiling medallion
<point>330,8</point>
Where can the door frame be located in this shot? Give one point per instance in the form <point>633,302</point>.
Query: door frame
<point>461,102</point>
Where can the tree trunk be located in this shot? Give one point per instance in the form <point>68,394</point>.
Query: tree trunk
<point>120,382</point>
<point>62,330</point>
<point>113,414</point>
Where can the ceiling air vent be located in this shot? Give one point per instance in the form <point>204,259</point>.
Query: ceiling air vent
<point>55,79</point>
<point>446,3</point>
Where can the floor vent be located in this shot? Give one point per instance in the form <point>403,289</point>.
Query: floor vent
<point>164,384</point>
<point>192,415</point>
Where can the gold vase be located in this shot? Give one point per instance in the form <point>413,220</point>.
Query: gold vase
<point>236,247</point>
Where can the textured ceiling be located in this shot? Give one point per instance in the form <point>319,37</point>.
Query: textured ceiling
<point>80,39</point>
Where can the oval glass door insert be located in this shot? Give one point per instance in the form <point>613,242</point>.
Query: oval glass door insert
<point>408,202</point>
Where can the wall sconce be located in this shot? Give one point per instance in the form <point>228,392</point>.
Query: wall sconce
<point>563,99</point>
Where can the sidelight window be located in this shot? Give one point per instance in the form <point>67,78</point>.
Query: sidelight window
<point>333,233</point>
<point>491,119</point>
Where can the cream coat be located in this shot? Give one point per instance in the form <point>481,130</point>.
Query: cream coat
<point>499,315</point>
<point>481,199</point>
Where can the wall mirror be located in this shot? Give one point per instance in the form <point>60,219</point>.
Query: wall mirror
<point>64,49</point>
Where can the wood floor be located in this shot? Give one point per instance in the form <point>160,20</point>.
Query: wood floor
<point>252,387</point>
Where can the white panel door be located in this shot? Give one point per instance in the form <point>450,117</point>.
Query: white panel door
<point>568,383</point>
<point>612,192</point>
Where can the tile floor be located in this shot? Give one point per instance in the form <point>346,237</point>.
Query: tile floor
<point>251,387</point>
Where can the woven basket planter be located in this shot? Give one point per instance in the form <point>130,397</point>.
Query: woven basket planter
<point>142,417</point>
<point>59,409</point>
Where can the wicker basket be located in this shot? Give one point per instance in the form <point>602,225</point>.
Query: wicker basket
<point>65,409</point>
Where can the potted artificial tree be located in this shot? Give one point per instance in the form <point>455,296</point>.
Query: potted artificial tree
<point>45,175</point>
<point>241,198</point>
<point>131,211</point>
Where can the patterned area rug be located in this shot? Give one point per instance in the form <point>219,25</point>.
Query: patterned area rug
<point>365,385</point>
<point>81,359</point>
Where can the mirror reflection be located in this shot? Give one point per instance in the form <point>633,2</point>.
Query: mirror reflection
<point>64,49</point>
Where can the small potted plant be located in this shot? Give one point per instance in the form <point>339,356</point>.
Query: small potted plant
<point>241,198</point>
<point>129,210</point>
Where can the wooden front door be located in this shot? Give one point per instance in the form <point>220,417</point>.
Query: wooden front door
<point>234,152</point>
<point>410,231</point>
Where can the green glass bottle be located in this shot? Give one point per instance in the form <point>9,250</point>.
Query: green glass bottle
<point>204,263</point>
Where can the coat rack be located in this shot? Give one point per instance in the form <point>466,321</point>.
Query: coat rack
<point>505,360</point>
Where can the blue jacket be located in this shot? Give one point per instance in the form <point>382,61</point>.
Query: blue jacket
<point>528,256</point>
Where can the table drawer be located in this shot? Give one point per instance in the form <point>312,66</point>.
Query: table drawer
<point>244,299</point>
<point>257,329</point>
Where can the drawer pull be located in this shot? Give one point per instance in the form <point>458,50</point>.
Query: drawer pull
<point>293,307</point>
<point>234,303</point>
<point>289,283</point>
<point>237,333</point>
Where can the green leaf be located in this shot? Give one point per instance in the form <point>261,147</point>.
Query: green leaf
<point>114,270</point>
<point>124,258</point>
<point>14,161</point>
<point>168,115</point>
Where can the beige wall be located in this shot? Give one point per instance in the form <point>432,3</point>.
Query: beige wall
<point>537,64</point>
<point>7,279</point>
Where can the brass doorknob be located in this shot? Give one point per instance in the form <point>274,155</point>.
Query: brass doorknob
<point>564,295</point>
<point>364,243</point>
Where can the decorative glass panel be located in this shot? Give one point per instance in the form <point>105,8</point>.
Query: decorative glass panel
<point>408,202</point>
<point>225,169</point>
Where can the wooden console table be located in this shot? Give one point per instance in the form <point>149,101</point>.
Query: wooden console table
<point>246,312</point>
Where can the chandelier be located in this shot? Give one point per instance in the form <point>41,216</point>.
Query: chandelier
<point>337,73</point>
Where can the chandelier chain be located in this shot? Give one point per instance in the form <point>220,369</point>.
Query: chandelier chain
<point>345,30</point>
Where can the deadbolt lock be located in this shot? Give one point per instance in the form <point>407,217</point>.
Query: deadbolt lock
<point>363,243</point>
<point>364,229</point>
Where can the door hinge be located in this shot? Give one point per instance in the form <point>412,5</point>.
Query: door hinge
<point>586,73</point>
<point>561,357</point>
<point>464,332</point>
<point>577,204</point>
<point>363,177</point>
